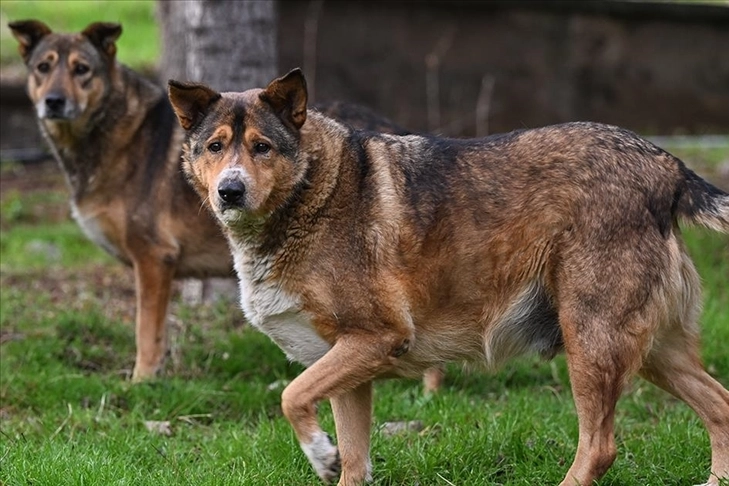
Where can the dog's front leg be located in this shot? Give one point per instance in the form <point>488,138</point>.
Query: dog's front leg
<point>153,283</point>
<point>353,419</point>
<point>344,374</point>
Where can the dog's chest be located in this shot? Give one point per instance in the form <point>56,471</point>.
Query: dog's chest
<point>96,228</point>
<point>277,313</point>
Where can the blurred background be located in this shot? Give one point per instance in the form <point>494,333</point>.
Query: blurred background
<point>457,68</point>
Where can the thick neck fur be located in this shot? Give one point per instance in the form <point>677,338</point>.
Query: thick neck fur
<point>93,141</point>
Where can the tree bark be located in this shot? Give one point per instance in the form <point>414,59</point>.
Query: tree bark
<point>173,61</point>
<point>230,45</point>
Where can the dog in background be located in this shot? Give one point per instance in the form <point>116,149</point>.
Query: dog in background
<point>118,142</point>
<point>115,136</point>
<point>368,256</point>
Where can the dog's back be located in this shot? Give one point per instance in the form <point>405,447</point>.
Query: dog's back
<point>492,237</point>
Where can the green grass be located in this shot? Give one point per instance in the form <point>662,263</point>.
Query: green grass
<point>69,416</point>
<point>36,248</point>
<point>138,47</point>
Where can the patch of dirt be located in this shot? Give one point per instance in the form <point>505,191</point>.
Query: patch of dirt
<point>37,193</point>
<point>99,344</point>
<point>109,286</point>
<point>42,176</point>
<point>33,193</point>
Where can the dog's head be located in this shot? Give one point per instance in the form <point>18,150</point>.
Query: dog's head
<point>242,149</point>
<point>68,74</point>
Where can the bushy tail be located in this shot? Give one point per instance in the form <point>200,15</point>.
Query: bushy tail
<point>701,203</point>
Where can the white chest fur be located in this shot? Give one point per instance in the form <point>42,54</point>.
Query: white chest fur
<point>277,313</point>
<point>89,224</point>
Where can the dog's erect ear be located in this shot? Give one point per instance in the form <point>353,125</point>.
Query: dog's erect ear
<point>287,96</point>
<point>28,33</point>
<point>104,35</point>
<point>190,101</point>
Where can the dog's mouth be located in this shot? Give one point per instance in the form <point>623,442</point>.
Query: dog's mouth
<point>230,216</point>
<point>240,221</point>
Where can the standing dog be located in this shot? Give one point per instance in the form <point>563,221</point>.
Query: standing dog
<point>119,144</point>
<point>366,255</point>
<point>115,136</point>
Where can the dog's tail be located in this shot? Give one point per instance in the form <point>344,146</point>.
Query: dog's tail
<point>700,202</point>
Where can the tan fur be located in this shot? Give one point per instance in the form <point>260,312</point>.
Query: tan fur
<point>368,256</point>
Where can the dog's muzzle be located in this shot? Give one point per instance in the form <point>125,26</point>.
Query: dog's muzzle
<point>232,193</point>
<point>55,107</point>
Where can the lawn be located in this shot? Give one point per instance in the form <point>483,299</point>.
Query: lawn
<point>70,416</point>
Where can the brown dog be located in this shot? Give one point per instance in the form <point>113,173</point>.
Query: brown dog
<point>366,255</point>
<point>116,139</point>
<point>118,142</point>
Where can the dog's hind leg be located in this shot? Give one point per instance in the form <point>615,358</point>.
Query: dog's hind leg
<point>605,336</point>
<point>153,283</point>
<point>674,365</point>
<point>597,373</point>
<point>343,374</point>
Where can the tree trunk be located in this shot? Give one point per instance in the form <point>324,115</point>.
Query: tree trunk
<point>228,45</point>
<point>173,61</point>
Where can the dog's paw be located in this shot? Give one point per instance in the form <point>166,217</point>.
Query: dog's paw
<point>143,373</point>
<point>323,456</point>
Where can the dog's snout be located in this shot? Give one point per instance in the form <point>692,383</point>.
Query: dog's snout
<point>232,192</point>
<point>55,103</point>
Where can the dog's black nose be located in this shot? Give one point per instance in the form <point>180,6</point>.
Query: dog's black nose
<point>55,103</point>
<point>232,192</point>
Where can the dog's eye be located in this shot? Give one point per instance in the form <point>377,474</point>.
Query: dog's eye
<point>43,67</point>
<point>80,69</point>
<point>215,147</point>
<point>261,148</point>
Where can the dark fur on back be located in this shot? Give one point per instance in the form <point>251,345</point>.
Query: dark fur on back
<point>360,117</point>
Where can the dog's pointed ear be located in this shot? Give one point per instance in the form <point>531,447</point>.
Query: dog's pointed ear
<point>287,96</point>
<point>104,35</point>
<point>190,101</point>
<point>28,33</point>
